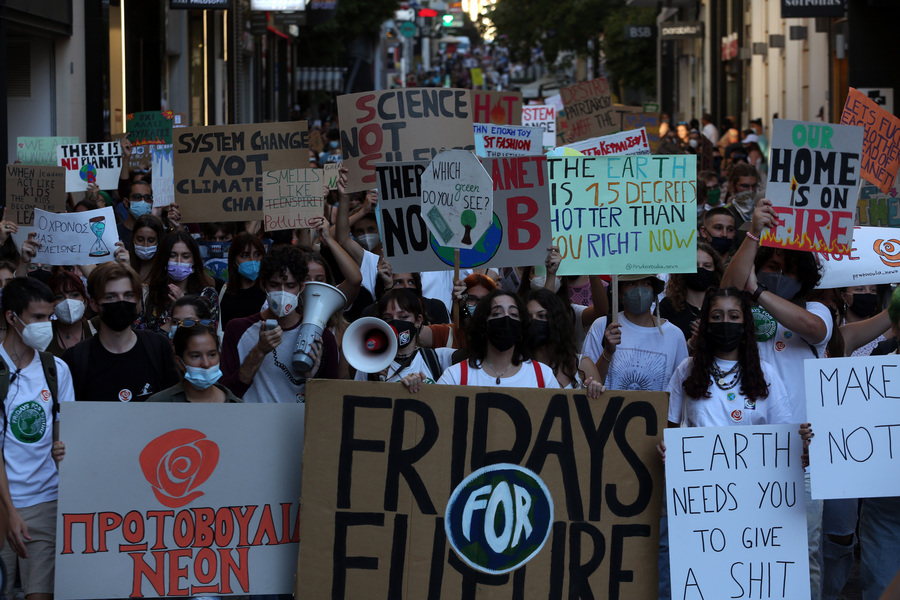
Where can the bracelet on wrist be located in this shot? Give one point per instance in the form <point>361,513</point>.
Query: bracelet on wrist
<point>604,357</point>
<point>752,237</point>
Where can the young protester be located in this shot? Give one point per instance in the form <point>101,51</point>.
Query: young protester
<point>191,310</point>
<point>242,296</point>
<point>718,230</point>
<point>35,383</point>
<point>197,357</point>
<point>70,326</point>
<point>388,280</point>
<point>685,292</point>
<point>119,364</point>
<point>148,234</point>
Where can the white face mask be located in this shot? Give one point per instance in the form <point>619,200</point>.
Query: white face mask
<point>37,335</point>
<point>145,252</point>
<point>694,143</point>
<point>369,241</point>
<point>69,311</point>
<point>282,303</point>
<point>538,282</point>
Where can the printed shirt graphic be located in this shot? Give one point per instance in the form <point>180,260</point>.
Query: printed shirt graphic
<point>28,437</point>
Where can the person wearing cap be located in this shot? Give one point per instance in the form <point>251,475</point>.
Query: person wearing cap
<point>641,350</point>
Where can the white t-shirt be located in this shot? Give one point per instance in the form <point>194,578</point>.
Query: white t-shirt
<point>580,331</point>
<point>369,269</point>
<point>28,438</point>
<point>728,407</point>
<point>786,351</point>
<point>438,285</point>
<point>524,378</point>
<point>417,365</point>
<point>645,360</point>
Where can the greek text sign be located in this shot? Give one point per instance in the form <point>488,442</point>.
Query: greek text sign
<point>457,198</point>
<point>507,140</point>
<point>219,170</point>
<point>813,183</point>
<point>624,142</point>
<point>147,128</point>
<point>737,512</point>
<point>291,197</point>
<point>29,187</point>
<point>518,235</point>
<point>99,163</point>
<point>853,406</point>
<point>79,238</point>
<point>41,150</point>
<point>881,148</point>
<point>624,214</point>
<point>386,497</point>
<point>194,504</point>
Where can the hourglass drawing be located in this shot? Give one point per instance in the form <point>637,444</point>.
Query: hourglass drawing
<point>98,226</point>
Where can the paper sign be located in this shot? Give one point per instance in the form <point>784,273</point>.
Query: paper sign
<point>650,123</point>
<point>813,185</point>
<point>737,512</point>
<point>877,209</point>
<point>79,238</point>
<point>332,172</point>
<point>881,149</point>
<point>624,142</point>
<point>163,174</point>
<point>543,116</point>
<point>192,500</point>
<point>589,110</point>
<point>624,214</point>
<point>380,468</point>
<point>477,77</point>
<point>29,187</point>
<point>291,197</point>
<point>518,235</point>
<point>499,108</point>
<point>555,102</point>
<point>147,128</point>
<point>853,406</point>
<point>41,150</point>
<point>219,170</point>
<point>507,140</point>
<point>457,199</point>
<point>401,125</point>
<point>874,258</point>
<point>99,163</point>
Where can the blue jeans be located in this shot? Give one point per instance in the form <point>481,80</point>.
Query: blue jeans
<point>879,541</point>
<point>838,519</point>
<point>813,535</point>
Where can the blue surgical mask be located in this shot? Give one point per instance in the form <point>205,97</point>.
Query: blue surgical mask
<point>202,378</point>
<point>249,269</point>
<point>138,208</point>
<point>334,144</point>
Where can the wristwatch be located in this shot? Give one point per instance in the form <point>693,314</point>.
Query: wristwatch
<point>760,288</point>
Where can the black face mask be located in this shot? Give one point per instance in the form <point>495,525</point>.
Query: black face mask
<point>540,332</point>
<point>700,281</point>
<point>725,336</point>
<point>504,332</point>
<point>405,331</point>
<point>118,316</point>
<point>864,305</point>
<point>721,244</point>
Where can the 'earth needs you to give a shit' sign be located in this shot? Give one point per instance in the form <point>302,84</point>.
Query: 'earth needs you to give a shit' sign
<point>457,198</point>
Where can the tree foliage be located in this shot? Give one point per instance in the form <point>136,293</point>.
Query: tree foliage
<point>631,63</point>
<point>355,21</point>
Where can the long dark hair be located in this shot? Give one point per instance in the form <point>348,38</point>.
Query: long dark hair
<point>676,287</point>
<point>158,299</point>
<point>151,222</point>
<point>562,352</point>
<point>803,265</point>
<point>476,330</point>
<point>753,382</point>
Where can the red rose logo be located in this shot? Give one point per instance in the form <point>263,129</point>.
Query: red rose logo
<point>176,463</point>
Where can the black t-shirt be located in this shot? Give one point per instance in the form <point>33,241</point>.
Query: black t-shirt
<point>682,319</point>
<point>243,303</point>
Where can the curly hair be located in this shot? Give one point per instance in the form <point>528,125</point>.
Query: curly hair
<point>241,242</point>
<point>563,354</point>
<point>803,265</point>
<point>280,261</point>
<point>676,287</point>
<point>476,330</point>
<point>753,382</point>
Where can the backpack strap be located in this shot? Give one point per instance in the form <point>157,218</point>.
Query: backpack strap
<point>48,363</point>
<point>4,384</point>
<point>538,373</point>
<point>463,373</point>
<point>431,359</point>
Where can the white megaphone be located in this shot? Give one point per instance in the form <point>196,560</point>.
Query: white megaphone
<point>320,301</point>
<point>369,345</point>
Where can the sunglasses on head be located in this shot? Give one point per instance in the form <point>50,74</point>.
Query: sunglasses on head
<point>192,322</point>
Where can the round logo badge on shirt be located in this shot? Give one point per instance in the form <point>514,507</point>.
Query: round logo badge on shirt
<point>766,325</point>
<point>787,335</point>
<point>730,396</point>
<point>750,404</point>
<point>125,395</point>
<point>736,416</point>
<point>780,345</point>
<point>45,395</point>
<point>28,422</point>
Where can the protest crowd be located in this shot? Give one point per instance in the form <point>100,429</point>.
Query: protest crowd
<point>213,312</point>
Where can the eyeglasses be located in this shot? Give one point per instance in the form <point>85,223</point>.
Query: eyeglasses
<point>470,300</point>
<point>139,197</point>
<point>192,322</point>
<point>747,186</point>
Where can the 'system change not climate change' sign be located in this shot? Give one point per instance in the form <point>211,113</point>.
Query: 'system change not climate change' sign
<point>457,198</point>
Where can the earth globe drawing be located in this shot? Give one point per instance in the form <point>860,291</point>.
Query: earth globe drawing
<point>483,250</point>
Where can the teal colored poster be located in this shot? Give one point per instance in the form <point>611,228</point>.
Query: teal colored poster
<point>40,150</point>
<point>624,214</point>
<point>148,128</point>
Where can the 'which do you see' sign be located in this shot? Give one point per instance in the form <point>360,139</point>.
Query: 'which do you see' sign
<point>736,506</point>
<point>457,198</point>
<point>465,492</point>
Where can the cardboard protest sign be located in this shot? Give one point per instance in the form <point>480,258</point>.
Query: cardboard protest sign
<point>79,238</point>
<point>401,125</point>
<point>499,108</point>
<point>29,187</point>
<point>543,116</point>
<point>99,163</point>
<point>316,141</point>
<point>876,208</point>
<point>163,171</point>
<point>650,123</point>
<point>881,149</point>
<point>813,185</point>
<point>384,483</point>
<point>737,512</point>
<point>332,171</point>
<point>589,110</point>
<point>624,142</point>
<point>148,128</point>
<point>219,170</point>
<point>519,233</point>
<point>874,258</point>
<point>624,214</point>
<point>192,500</point>
<point>852,405</point>
<point>507,140</point>
<point>291,197</point>
<point>457,199</point>
<point>41,150</point>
